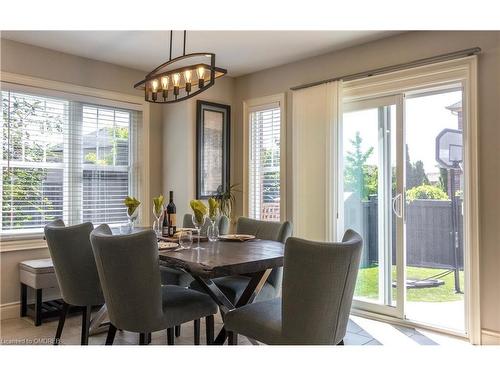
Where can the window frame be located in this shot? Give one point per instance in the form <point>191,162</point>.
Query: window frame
<point>92,96</point>
<point>248,106</point>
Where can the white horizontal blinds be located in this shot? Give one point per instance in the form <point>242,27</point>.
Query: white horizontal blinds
<point>32,160</point>
<point>264,168</point>
<point>62,159</point>
<point>105,150</point>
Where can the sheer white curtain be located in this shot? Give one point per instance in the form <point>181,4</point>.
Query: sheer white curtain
<point>316,114</point>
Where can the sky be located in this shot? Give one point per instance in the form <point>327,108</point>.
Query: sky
<point>425,118</point>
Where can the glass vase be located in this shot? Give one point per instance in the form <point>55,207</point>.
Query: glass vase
<point>156,227</point>
<point>157,222</point>
<point>131,220</point>
<point>213,231</point>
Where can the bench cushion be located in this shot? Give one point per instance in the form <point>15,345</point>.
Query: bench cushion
<point>38,273</point>
<point>37,265</point>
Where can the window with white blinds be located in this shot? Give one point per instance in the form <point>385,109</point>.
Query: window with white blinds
<point>63,159</point>
<point>264,162</point>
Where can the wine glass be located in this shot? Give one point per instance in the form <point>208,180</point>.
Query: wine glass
<point>157,214</point>
<point>198,223</point>
<point>185,239</point>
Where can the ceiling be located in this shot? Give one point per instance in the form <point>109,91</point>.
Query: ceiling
<point>240,52</point>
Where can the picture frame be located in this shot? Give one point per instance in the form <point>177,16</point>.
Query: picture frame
<point>213,122</point>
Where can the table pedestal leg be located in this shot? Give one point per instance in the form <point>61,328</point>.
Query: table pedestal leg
<point>98,324</point>
<point>252,290</point>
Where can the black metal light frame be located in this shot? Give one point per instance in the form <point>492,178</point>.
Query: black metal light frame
<point>163,96</point>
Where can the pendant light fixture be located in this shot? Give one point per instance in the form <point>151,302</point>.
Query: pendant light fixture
<point>180,78</point>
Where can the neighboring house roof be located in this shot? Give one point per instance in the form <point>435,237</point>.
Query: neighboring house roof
<point>455,107</point>
<point>89,140</point>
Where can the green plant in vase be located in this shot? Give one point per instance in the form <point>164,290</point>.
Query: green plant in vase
<point>132,203</point>
<point>226,199</point>
<point>157,212</point>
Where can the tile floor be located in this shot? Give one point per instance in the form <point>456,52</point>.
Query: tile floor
<point>360,331</point>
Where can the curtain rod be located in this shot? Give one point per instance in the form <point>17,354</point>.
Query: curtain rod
<point>393,68</point>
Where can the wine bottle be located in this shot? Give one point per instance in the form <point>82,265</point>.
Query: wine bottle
<point>164,228</point>
<point>171,210</point>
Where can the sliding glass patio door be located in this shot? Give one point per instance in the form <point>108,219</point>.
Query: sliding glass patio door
<point>403,191</point>
<point>372,199</point>
<point>435,207</point>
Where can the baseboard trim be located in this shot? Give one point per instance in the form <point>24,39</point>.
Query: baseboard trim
<point>490,337</point>
<point>10,310</point>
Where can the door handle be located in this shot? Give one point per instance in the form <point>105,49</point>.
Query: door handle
<point>397,205</point>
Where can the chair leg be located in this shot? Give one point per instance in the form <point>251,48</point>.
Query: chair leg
<point>209,324</point>
<point>177,331</point>
<point>62,319</point>
<point>341,342</point>
<point>144,338</point>
<point>232,338</point>
<point>24,299</point>
<point>86,324</point>
<point>111,335</point>
<point>38,307</point>
<point>170,336</point>
<point>196,325</point>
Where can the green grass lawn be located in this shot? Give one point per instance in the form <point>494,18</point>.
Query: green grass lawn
<point>367,285</point>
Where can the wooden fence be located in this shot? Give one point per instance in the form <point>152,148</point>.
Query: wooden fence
<point>429,237</point>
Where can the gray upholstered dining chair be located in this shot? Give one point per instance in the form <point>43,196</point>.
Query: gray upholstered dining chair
<point>318,287</point>
<point>76,271</point>
<point>234,286</point>
<point>128,267</point>
<point>171,276</point>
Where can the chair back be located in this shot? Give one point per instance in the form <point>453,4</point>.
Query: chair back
<point>128,267</point>
<point>222,223</point>
<point>267,230</point>
<point>74,263</point>
<point>264,230</point>
<point>318,287</point>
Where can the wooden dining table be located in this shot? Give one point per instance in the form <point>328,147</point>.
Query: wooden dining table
<point>254,258</point>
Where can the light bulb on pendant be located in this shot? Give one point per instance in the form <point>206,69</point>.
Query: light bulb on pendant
<point>154,89</point>
<point>201,76</point>
<point>176,78</point>
<point>187,80</point>
<point>164,86</point>
<point>154,85</point>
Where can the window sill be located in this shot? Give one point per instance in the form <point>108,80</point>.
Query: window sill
<point>22,244</point>
<point>35,240</point>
